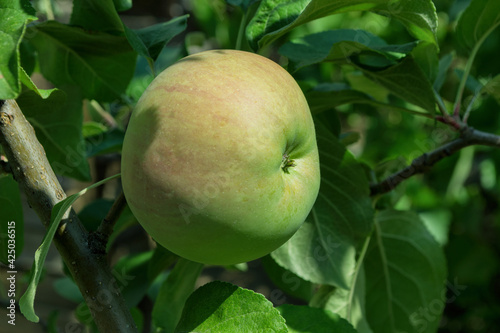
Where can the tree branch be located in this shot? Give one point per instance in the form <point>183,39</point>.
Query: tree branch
<point>90,270</point>
<point>108,223</point>
<point>468,137</point>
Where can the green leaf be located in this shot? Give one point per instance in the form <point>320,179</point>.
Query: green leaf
<point>323,249</point>
<point>59,211</point>
<point>57,121</point>
<point>407,81</point>
<point>92,214</point>
<point>95,15</point>
<point>29,84</point>
<point>225,308</point>
<point>328,97</point>
<point>161,260</point>
<point>67,288</point>
<point>343,46</point>
<point>304,319</point>
<point>132,276</point>
<point>11,222</point>
<point>14,16</point>
<point>349,304</point>
<point>477,22</point>
<point>426,56</point>
<point>122,5</point>
<point>405,275</point>
<point>150,41</point>
<point>174,292</point>
<point>100,64</point>
<point>287,281</point>
<point>438,223</point>
<point>244,4</point>
<point>443,67</point>
<point>274,18</point>
<point>492,87</point>
<point>104,143</point>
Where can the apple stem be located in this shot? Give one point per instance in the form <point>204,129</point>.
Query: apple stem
<point>287,163</point>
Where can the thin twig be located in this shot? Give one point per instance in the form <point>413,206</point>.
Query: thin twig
<point>32,171</point>
<point>423,163</point>
<point>108,223</point>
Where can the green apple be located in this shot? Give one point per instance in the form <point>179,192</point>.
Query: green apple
<point>220,162</point>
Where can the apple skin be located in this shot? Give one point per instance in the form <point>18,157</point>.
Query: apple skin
<point>220,162</point>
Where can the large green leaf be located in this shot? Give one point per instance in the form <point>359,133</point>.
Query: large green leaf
<point>100,15</point>
<point>57,121</point>
<point>11,222</point>
<point>405,275</point>
<point>174,292</point>
<point>323,249</point>
<point>14,16</point>
<point>100,64</point>
<point>304,319</point>
<point>225,308</point>
<point>274,18</point>
<point>343,46</point>
<point>478,21</point>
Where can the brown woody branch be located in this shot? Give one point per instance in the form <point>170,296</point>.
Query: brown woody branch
<point>468,137</point>
<point>31,169</point>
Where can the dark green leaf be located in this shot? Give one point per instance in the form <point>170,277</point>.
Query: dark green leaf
<point>225,308</point>
<point>477,22</point>
<point>343,46</point>
<point>67,288</point>
<point>122,5</point>
<point>407,81</point>
<point>287,281</point>
<point>426,56</point>
<point>100,64</point>
<point>11,222</point>
<point>174,292</point>
<point>161,260</point>
<point>444,66</point>
<point>92,214</point>
<point>57,121</point>
<point>96,15</point>
<point>323,249</point>
<point>14,16</point>
<point>132,276</point>
<point>274,18</point>
<point>471,83</point>
<point>304,319</point>
<point>405,275</point>
<point>326,99</point>
<point>149,41</point>
<point>244,4</point>
<point>104,143</point>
